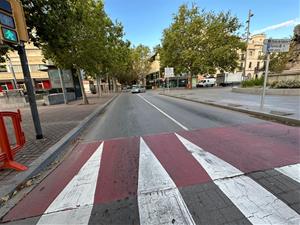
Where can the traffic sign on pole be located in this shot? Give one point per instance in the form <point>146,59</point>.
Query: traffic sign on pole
<point>169,72</point>
<point>272,46</point>
<point>276,45</point>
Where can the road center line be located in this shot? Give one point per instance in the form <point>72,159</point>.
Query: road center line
<point>171,118</point>
<point>257,204</point>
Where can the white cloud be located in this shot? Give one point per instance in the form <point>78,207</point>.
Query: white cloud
<point>278,26</point>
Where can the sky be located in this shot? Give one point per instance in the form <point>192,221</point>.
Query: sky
<point>145,20</point>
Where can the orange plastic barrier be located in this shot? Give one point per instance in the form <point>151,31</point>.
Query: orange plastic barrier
<point>8,152</point>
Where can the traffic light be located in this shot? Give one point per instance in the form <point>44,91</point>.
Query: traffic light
<point>12,22</point>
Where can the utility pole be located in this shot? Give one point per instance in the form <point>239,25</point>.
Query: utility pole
<point>30,91</point>
<point>247,41</point>
<point>13,73</point>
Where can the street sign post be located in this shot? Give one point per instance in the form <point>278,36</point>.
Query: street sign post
<point>272,46</point>
<point>169,72</point>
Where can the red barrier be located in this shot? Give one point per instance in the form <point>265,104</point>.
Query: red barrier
<point>8,152</point>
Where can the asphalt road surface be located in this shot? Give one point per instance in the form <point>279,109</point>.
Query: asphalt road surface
<point>151,159</point>
<point>131,115</point>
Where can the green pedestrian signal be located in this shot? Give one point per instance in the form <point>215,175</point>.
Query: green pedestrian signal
<point>10,35</point>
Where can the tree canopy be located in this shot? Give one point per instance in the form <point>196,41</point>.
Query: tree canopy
<point>201,42</point>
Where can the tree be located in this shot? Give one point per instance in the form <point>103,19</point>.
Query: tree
<point>278,62</point>
<point>201,42</point>
<point>71,33</point>
<point>140,62</point>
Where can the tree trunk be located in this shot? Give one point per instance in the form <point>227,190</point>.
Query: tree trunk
<point>114,85</point>
<point>62,84</point>
<point>99,86</point>
<point>84,98</point>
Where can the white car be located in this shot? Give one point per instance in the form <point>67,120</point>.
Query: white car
<point>210,82</point>
<point>138,89</point>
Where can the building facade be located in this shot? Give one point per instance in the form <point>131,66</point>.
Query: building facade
<point>153,77</point>
<point>37,68</point>
<point>254,62</point>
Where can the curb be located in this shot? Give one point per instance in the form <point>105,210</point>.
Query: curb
<point>277,118</point>
<point>51,154</point>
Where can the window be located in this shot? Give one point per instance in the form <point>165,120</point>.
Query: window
<point>250,53</point>
<point>258,64</point>
<point>242,65</point>
<point>250,65</point>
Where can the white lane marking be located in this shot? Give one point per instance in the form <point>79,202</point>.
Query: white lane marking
<point>78,194</point>
<point>256,203</point>
<point>171,118</point>
<point>159,200</point>
<point>292,171</point>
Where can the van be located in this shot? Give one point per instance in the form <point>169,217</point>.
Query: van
<point>210,82</point>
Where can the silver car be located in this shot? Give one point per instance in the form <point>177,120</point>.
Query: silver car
<point>138,89</point>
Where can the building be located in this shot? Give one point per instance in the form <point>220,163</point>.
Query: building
<point>37,69</point>
<point>254,62</point>
<point>153,77</point>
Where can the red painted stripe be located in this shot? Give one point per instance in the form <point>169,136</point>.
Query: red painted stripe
<point>177,161</point>
<point>250,148</point>
<point>39,199</point>
<point>118,177</point>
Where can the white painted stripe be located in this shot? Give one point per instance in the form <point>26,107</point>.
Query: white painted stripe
<point>215,167</point>
<point>256,203</point>
<point>76,196</point>
<point>73,216</point>
<point>171,118</point>
<point>159,200</point>
<point>292,171</point>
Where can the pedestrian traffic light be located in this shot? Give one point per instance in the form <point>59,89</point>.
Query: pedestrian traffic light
<point>12,22</point>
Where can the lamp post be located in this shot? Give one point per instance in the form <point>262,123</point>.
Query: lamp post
<point>250,14</point>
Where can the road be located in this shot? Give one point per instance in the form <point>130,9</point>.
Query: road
<point>130,115</point>
<point>151,159</point>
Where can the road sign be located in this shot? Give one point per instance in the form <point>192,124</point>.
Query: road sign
<point>276,45</point>
<point>169,72</point>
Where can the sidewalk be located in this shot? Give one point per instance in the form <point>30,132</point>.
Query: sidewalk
<point>56,122</point>
<point>286,106</point>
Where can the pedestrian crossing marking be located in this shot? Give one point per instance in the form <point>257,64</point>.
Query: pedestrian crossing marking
<point>256,203</point>
<point>292,171</point>
<point>159,200</point>
<point>77,194</point>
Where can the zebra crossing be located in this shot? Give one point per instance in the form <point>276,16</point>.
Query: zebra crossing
<point>176,178</point>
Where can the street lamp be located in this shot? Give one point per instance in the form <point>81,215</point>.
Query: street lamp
<point>250,14</point>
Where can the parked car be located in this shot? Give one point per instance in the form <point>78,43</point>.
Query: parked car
<point>138,89</point>
<point>210,82</point>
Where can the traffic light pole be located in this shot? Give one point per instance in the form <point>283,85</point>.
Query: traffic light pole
<point>30,91</point>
